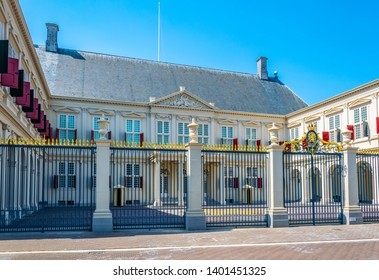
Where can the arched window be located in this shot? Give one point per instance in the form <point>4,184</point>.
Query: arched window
<point>364,182</point>
<point>293,188</point>
<point>315,185</point>
<point>335,182</point>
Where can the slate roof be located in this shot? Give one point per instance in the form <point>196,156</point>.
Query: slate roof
<point>101,76</point>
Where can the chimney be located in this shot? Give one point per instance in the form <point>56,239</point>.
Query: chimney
<point>52,37</point>
<point>262,68</point>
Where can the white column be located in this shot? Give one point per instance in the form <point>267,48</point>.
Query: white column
<point>180,183</point>
<point>102,217</point>
<point>277,214</point>
<point>157,183</point>
<point>195,217</point>
<point>351,210</point>
<point>222,181</point>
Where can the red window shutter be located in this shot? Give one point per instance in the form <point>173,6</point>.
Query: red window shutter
<point>24,100</point>
<point>74,181</point>
<point>351,128</point>
<point>281,143</point>
<point>56,180</point>
<point>93,185</point>
<point>125,136</point>
<point>288,148</point>
<point>75,134</point>
<point>125,180</point>
<point>141,139</point>
<point>259,183</point>
<point>110,182</point>
<point>57,133</point>
<point>140,182</point>
<point>235,144</point>
<point>325,136</point>
<point>304,143</point>
<point>10,79</point>
<point>36,117</point>
<point>92,135</point>
<point>109,135</point>
<point>377,125</point>
<point>19,90</point>
<point>41,123</point>
<point>29,106</point>
<point>258,144</point>
<point>34,114</point>
<point>50,132</point>
<point>236,182</point>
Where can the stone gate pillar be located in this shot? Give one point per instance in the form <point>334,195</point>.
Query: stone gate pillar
<point>194,216</point>
<point>352,213</point>
<point>102,217</point>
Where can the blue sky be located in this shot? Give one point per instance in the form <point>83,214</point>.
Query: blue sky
<point>319,48</point>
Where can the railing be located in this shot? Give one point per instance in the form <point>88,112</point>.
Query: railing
<point>46,185</point>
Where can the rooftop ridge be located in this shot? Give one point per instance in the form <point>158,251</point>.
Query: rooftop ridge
<point>271,79</point>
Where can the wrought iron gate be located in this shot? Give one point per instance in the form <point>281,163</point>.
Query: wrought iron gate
<point>148,187</point>
<point>235,187</point>
<point>46,186</point>
<point>312,180</point>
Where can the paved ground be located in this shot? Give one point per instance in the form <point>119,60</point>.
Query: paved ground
<point>333,242</point>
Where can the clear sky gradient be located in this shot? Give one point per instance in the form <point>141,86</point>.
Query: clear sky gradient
<point>319,48</point>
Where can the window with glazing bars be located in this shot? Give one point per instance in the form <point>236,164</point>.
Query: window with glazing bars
<point>183,133</point>
<point>67,125</point>
<point>133,176</point>
<point>360,122</point>
<point>227,135</point>
<point>66,173</point>
<point>133,131</point>
<point>334,128</point>
<point>203,133</point>
<point>163,132</point>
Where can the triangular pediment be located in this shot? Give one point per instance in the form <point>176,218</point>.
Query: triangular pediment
<point>100,112</point>
<point>183,99</point>
<point>359,102</point>
<point>68,110</point>
<point>333,111</point>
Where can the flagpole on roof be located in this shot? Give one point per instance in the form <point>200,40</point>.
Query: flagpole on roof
<point>159,29</point>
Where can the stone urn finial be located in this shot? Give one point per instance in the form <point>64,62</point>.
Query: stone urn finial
<point>103,126</point>
<point>273,130</point>
<point>193,131</point>
<point>346,137</point>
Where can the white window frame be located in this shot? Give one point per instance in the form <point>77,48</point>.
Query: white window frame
<point>133,174</point>
<point>135,133</point>
<point>229,177</point>
<point>251,136</point>
<point>334,123</point>
<point>227,137</point>
<point>183,132</point>
<point>2,30</point>
<point>96,129</point>
<point>251,176</point>
<point>294,133</point>
<point>360,122</point>
<point>66,174</point>
<point>162,136</point>
<point>203,133</point>
<point>66,130</point>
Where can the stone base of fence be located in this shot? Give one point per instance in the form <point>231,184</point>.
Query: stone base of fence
<point>195,220</point>
<point>352,215</point>
<point>102,221</point>
<point>277,217</point>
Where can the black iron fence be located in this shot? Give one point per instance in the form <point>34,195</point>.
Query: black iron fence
<point>46,186</point>
<point>368,186</point>
<point>235,187</point>
<point>148,187</point>
<point>313,187</point>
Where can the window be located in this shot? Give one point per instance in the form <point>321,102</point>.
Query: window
<point>133,178</point>
<point>334,128</point>
<point>203,133</point>
<point>66,173</point>
<point>12,52</point>
<point>227,135</point>
<point>96,133</point>
<point>66,127</point>
<point>133,131</point>
<point>251,136</point>
<point>251,176</point>
<point>163,132</point>
<point>294,133</point>
<point>228,177</point>
<point>183,133</point>
<point>360,122</point>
